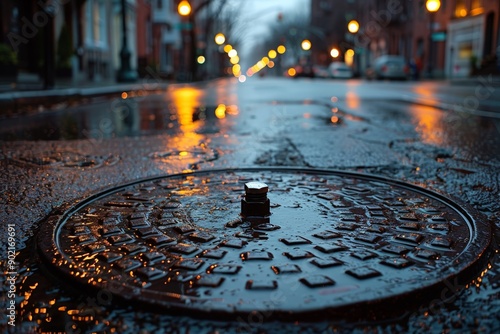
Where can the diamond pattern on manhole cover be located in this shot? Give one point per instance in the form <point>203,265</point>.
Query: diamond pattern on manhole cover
<point>338,240</point>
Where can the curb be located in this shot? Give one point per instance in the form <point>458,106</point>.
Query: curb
<point>21,102</point>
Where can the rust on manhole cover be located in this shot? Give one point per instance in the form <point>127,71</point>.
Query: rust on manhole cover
<point>332,241</point>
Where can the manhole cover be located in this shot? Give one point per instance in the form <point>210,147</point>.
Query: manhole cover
<point>333,241</point>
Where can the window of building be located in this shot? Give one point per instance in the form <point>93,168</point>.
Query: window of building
<point>325,5</point>
<point>476,7</point>
<point>476,4</point>
<point>95,19</point>
<point>460,8</point>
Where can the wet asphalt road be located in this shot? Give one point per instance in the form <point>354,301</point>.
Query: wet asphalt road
<point>445,138</point>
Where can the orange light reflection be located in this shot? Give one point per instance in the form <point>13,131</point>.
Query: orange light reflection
<point>429,124</point>
<point>352,100</point>
<point>186,100</point>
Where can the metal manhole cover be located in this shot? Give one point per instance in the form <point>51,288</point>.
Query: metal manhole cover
<point>333,241</point>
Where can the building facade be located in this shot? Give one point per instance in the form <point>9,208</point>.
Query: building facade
<point>79,41</point>
<point>460,39</point>
<point>167,27</point>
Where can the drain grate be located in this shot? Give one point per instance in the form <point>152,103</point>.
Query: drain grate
<point>333,241</point>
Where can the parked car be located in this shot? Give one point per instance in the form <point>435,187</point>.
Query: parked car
<point>389,67</point>
<point>340,70</point>
<point>321,72</point>
<point>304,70</point>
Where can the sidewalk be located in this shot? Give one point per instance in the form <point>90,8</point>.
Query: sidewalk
<point>18,97</point>
<point>492,79</point>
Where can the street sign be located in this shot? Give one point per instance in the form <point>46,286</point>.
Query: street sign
<point>438,36</point>
<point>183,26</point>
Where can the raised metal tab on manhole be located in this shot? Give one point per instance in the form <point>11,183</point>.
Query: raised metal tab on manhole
<point>324,242</point>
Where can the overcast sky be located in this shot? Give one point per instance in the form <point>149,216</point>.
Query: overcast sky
<point>260,12</point>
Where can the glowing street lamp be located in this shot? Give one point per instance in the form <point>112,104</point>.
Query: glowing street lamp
<point>353,26</point>
<point>334,52</point>
<point>306,45</point>
<point>220,39</point>
<point>184,8</point>
<point>432,6</point>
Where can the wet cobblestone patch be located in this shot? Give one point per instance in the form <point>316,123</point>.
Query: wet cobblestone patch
<point>333,241</point>
<point>192,158</point>
<point>64,159</point>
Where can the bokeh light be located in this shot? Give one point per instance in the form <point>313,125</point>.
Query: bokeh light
<point>201,59</point>
<point>334,52</point>
<point>220,39</point>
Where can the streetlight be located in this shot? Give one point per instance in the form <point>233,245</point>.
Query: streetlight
<point>184,8</point>
<point>334,52</point>
<point>306,45</point>
<point>125,73</point>
<point>432,7</point>
<point>353,26</point>
<point>220,39</point>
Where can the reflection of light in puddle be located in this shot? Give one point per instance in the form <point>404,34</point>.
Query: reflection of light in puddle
<point>334,119</point>
<point>429,124</point>
<point>220,111</point>
<point>186,100</point>
<point>232,110</point>
<point>352,100</point>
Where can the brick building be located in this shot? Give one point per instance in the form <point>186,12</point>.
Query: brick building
<point>461,38</point>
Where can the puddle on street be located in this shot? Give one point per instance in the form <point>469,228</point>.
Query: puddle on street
<point>127,117</point>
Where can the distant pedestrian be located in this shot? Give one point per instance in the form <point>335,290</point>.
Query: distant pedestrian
<point>418,66</point>
<point>413,69</point>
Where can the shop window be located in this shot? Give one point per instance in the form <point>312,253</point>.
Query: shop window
<point>476,4</point>
<point>476,7</point>
<point>460,8</point>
